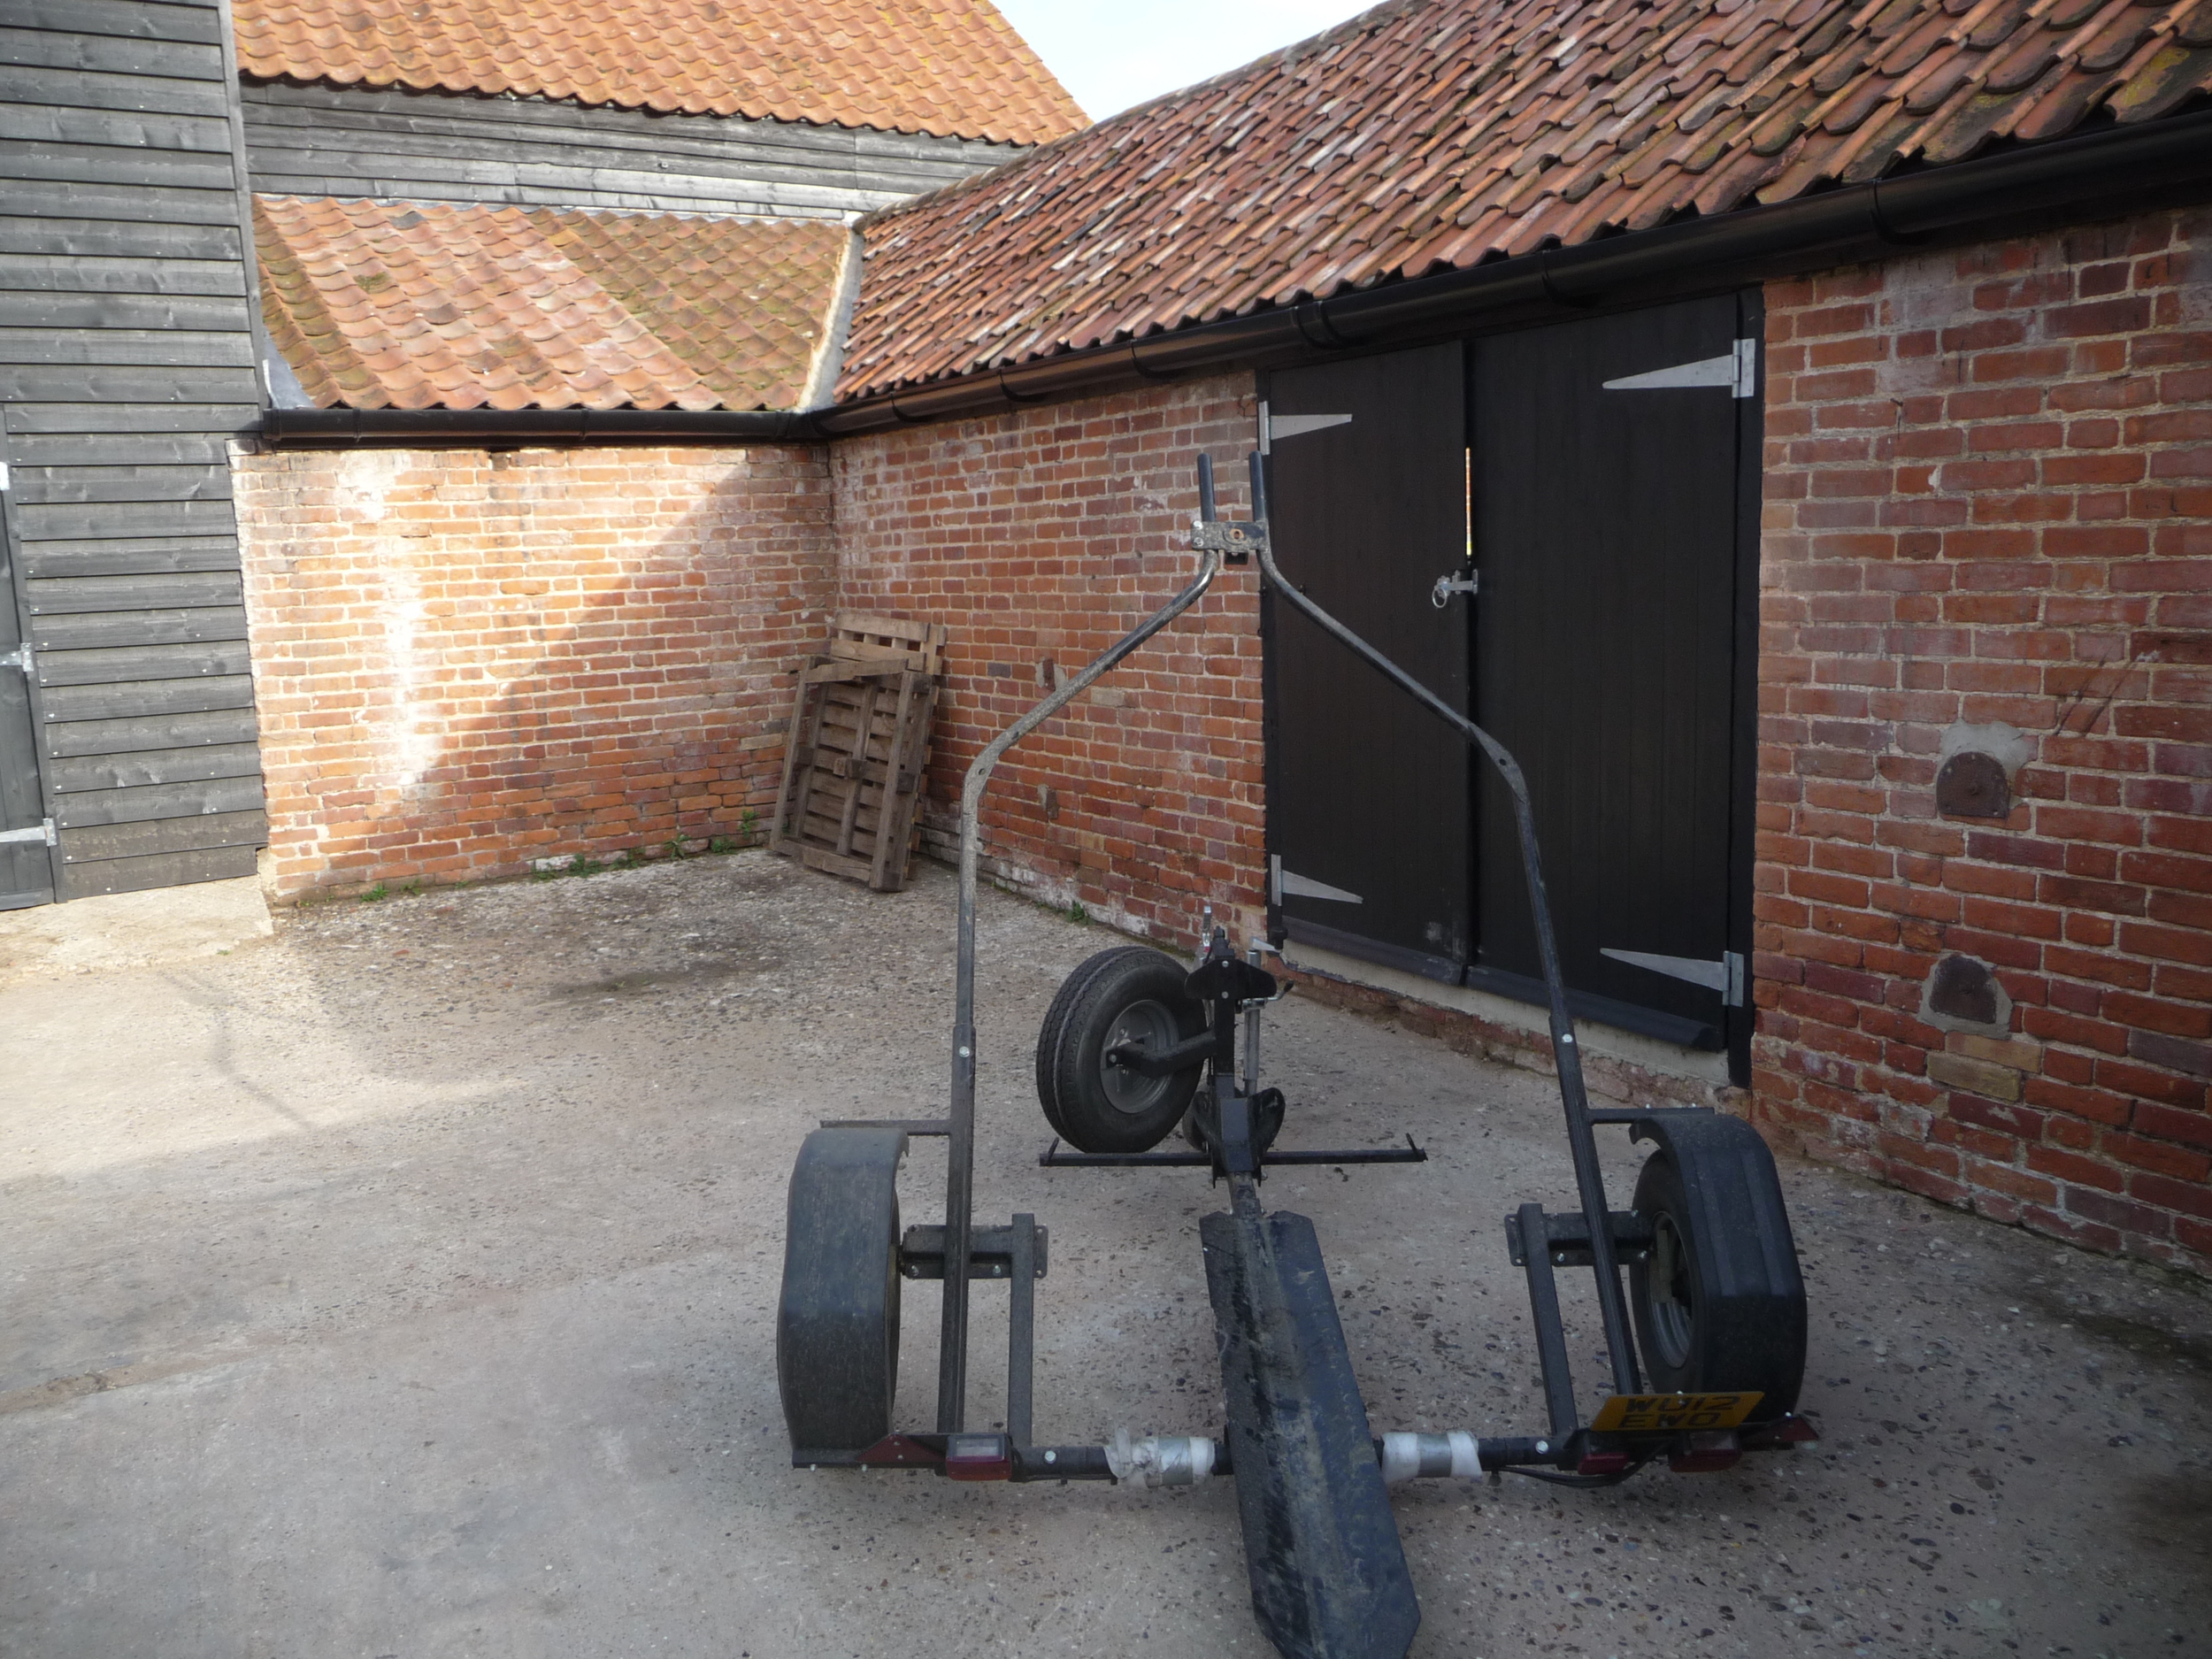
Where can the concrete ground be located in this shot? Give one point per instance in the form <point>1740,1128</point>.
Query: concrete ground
<point>402,1285</point>
<point>131,930</point>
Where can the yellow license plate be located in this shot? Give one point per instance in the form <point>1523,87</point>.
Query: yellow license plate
<point>1673,1414</point>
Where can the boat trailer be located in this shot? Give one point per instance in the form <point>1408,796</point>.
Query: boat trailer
<point>1136,1046</point>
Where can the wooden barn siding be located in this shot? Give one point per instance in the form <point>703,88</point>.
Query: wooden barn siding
<point>127,354</point>
<point>433,147</point>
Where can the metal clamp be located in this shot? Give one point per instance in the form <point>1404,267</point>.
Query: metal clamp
<point>1230,538</point>
<point>1255,949</point>
<point>1448,584</point>
<point>1233,538</point>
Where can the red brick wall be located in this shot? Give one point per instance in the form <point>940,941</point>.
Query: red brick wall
<point>1989,480</point>
<point>467,662</point>
<point>1039,537</point>
<point>1989,476</point>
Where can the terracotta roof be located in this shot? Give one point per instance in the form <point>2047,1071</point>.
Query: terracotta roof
<point>952,67</point>
<point>393,306</point>
<point>1429,134</point>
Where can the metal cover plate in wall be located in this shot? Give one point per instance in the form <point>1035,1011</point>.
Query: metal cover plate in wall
<point>1973,785</point>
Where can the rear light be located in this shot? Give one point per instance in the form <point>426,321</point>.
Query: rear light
<point>1706,1452</point>
<point>1602,1463</point>
<point>980,1457</point>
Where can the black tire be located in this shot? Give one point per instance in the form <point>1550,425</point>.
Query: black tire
<point>1694,1338</point>
<point>1055,1022</point>
<point>837,1322</point>
<point>1132,993</point>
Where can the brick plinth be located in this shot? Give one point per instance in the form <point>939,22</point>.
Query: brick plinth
<point>467,662</point>
<point>1039,537</point>
<point>1988,482</point>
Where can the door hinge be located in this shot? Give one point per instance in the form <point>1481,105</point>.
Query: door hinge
<point>1274,426</point>
<point>19,658</point>
<point>1290,885</point>
<point>42,833</point>
<point>1737,370</point>
<point>1725,976</point>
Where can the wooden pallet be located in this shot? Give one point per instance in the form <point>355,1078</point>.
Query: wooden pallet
<point>857,746</point>
<point>881,644</point>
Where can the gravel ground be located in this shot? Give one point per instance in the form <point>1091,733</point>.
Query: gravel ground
<point>404,1286</point>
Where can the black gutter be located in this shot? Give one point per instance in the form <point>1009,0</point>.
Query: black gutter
<point>2099,175</point>
<point>502,428</point>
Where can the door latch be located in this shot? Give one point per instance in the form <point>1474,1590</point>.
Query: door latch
<point>1466,582</point>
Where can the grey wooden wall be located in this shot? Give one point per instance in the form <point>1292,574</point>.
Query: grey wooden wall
<point>437,146</point>
<point>127,354</point>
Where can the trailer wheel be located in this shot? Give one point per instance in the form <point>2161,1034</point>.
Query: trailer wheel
<point>1132,994</point>
<point>837,1322</point>
<point>1055,1025</point>
<point>1719,1304</point>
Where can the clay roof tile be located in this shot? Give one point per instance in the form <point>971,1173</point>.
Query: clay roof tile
<point>953,68</point>
<point>383,305</point>
<point>1437,134</point>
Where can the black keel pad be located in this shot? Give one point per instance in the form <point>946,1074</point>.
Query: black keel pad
<point>1329,1578</point>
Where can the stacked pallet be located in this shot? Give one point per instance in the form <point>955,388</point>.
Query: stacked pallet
<point>857,746</point>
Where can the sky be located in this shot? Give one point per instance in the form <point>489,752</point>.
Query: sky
<point>1110,54</point>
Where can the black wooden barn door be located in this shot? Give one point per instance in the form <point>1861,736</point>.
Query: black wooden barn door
<point>1367,794</point>
<point>1607,494</point>
<point>27,871</point>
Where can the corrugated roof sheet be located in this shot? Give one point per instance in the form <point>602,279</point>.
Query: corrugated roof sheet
<point>394,306</point>
<point>1429,134</point>
<point>952,67</point>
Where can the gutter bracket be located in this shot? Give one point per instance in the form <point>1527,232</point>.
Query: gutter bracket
<point>1158,377</point>
<point>1315,325</point>
<point>1879,220</point>
<point>1552,290</point>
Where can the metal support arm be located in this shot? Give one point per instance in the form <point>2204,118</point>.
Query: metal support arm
<point>1589,1182</point>
<point>952,1370</point>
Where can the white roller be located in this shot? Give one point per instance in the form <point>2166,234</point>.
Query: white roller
<point>1430,1457</point>
<point>1161,1460</point>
